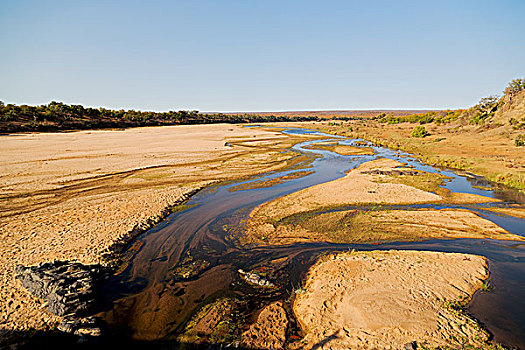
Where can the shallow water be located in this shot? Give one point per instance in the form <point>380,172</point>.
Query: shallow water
<point>149,301</point>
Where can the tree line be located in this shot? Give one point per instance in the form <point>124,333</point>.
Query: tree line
<point>60,116</point>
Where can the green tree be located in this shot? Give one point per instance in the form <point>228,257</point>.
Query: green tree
<point>514,87</point>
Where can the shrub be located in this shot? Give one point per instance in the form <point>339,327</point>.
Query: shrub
<point>478,118</point>
<point>419,131</point>
<point>520,140</point>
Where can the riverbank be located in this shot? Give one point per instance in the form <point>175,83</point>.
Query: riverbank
<point>73,196</point>
<point>488,150</point>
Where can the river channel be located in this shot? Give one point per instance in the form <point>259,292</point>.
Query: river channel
<point>150,300</point>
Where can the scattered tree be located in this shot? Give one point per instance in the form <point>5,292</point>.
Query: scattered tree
<point>419,131</point>
<point>514,87</point>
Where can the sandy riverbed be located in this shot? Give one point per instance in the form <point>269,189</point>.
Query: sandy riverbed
<point>71,195</point>
<point>387,299</point>
<point>299,216</point>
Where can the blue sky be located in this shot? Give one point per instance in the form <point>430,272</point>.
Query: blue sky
<point>247,55</point>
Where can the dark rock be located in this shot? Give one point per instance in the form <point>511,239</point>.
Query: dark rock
<point>67,287</point>
<point>84,327</point>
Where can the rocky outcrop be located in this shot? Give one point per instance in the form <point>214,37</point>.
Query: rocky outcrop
<point>67,287</point>
<point>83,327</point>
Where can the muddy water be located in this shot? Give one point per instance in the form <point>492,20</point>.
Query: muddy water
<point>193,257</point>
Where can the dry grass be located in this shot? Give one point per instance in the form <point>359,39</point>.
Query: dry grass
<point>486,151</point>
<point>377,224</point>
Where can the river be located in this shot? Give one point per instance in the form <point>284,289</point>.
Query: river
<point>149,300</point>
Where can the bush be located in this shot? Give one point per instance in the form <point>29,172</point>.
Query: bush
<point>478,118</point>
<point>520,140</point>
<point>419,131</point>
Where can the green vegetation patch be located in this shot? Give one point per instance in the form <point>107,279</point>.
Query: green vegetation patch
<point>437,117</point>
<point>347,226</point>
<point>520,140</point>
<point>215,323</point>
<point>269,183</point>
<point>189,267</point>
<point>425,181</point>
<point>419,131</point>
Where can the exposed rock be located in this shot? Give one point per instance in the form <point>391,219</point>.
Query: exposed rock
<point>88,326</point>
<point>255,279</point>
<point>67,287</point>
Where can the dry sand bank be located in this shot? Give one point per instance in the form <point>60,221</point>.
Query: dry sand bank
<point>386,299</point>
<point>356,187</point>
<point>293,218</point>
<point>72,195</point>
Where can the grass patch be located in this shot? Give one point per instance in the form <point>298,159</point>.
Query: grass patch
<point>425,181</point>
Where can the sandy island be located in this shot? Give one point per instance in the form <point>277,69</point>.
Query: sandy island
<point>311,214</point>
<point>387,299</point>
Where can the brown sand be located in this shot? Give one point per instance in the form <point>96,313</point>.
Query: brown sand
<point>516,211</point>
<point>361,187</point>
<point>71,195</point>
<point>269,331</point>
<point>356,187</point>
<point>386,299</point>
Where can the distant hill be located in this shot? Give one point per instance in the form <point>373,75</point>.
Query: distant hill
<point>507,111</point>
<point>493,112</point>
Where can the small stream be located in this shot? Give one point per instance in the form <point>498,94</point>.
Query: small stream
<point>149,299</point>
